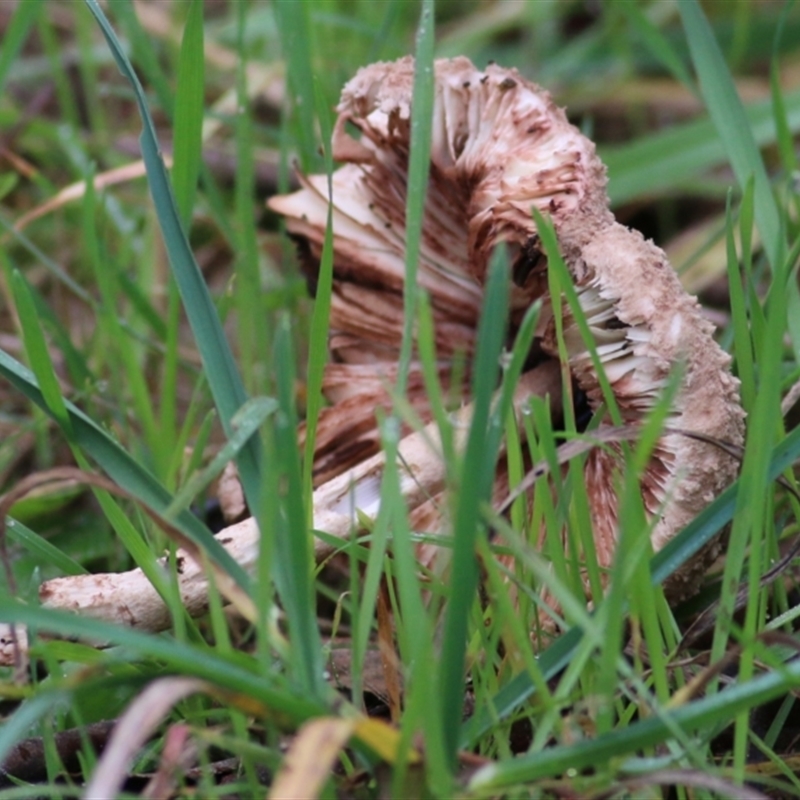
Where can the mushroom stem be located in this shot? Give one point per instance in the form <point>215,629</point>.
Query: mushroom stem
<point>128,598</point>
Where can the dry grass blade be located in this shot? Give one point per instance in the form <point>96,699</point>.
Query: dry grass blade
<point>390,661</point>
<point>310,758</point>
<point>687,778</point>
<point>134,728</point>
<point>76,191</point>
<point>177,757</point>
<point>701,680</point>
<point>607,434</point>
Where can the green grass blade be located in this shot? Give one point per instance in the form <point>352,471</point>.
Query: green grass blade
<point>246,423</point>
<point>732,124</point>
<point>669,559</point>
<point>223,378</point>
<point>657,43</point>
<point>417,182</point>
<point>239,672</point>
<point>783,131</point>
<point>51,266</point>
<point>743,344</point>
<point>669,160</point>
<point>251,313</point>
<point>18,726</point>
<point>294,24</point>
<point>753,513</point>
<point>318,335</point>
<point>38,546</point>
<point>294,560</point>
<point>189,95</point>
<point>38,353</point>
<point>144,53</point>
<point>475,486</point>
<point>121,467</point>
<point>129,371</point>
<point>561,281</point>
<point>697,716</point>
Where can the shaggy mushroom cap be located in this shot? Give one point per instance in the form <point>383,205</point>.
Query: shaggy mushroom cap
<point>500,147</point>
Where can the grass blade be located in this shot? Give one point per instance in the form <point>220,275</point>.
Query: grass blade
<point>679,550</point>
<point>669,160</point>
<point>38,353</point>
<point>121,467</point>
<point>293,545</point>
<point>475,486</point>
<point>188,136</point>
<point>318,335</point>
<point>417,182</point>
<point>705,713</point>
<point>223,377</point>
<point>730,120</point>
<point>294,25</point>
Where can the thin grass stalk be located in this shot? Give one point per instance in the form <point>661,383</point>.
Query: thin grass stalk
<point>752,507</point>
<point>670,159</point>
<point>293,548</point>
<point>251,316</point>
<point>189,110</point>
<point>414,627</point>
<point>417,181</point>
<point>727,112</point>
<point>187,162</point>
<point>294,25</point>
<point>681,548</point>
<point>743,344</point>
<point>474,487</point>
<point>144,53</point>
<point>131,377</point>
<point>698,716</point>
<point>67,102</point>
<point>289,706</point>
<point>318,335</point>
<point>123,469</point>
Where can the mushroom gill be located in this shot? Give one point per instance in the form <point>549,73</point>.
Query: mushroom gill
<point>500,147</point>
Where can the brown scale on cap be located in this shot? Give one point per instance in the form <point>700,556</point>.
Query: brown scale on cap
<point>500,147</point>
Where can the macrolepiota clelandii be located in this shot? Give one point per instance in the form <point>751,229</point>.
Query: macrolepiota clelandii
<point>500,147</point>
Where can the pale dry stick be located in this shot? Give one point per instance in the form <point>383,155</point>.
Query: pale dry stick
<point>129,598</point>
<point>75,191</point>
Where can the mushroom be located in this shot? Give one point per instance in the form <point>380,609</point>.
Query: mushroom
<point>500,148</point>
